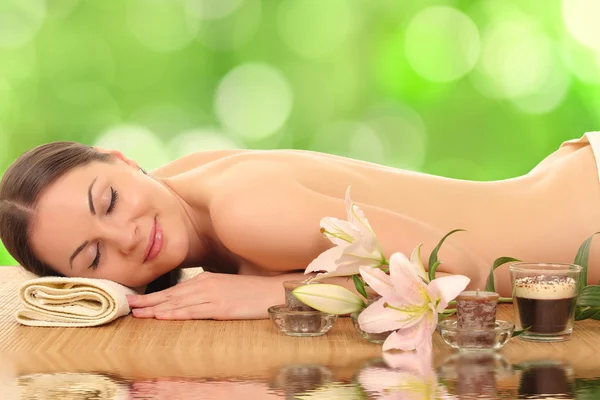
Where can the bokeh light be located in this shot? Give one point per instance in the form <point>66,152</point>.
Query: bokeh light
<point>442,36</point>
<point>351,139</point>
<point>204,139</point>
<point>582,61</point>
<point>164,119</point>
<point>233,30</point>
<point>253,100</point>
<point>515,61</point>
<point>320,37</point>
<point>551,93</point>
<point>581,20</point>
<point>404,131</point>
<point>136,143</point>
<point>162,25</point>
<point>212,9</point>
<point>20,21</point>
<point>439,86</point>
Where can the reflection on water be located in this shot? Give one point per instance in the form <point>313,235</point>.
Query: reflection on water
<point>391,376</point>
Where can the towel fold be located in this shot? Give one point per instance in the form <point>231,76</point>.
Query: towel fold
<point>74,302</point>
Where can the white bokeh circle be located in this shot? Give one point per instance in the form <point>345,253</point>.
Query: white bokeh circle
<point>200,140</point>
<point>253,101</point>
<point>442,44</point>
<point>212,9</point>
<point>162,25</point>
<point>137,143</point>
<point>20,20</point>
<point>581,20</point>
<point>316,28</point>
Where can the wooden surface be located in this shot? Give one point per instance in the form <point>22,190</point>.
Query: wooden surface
<point>136,348</point>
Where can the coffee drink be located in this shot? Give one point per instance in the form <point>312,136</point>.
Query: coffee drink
<point>545,304</point>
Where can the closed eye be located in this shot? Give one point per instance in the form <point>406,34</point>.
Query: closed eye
<point>96,261</point>
<point>114,196</point>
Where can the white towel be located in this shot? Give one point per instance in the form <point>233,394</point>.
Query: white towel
<point>77,302</point>
<point>74,302</point>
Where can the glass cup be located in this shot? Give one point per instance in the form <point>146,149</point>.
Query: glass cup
<point>544,299</point>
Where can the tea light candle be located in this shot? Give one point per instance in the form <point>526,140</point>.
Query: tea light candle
<point>476,309</point>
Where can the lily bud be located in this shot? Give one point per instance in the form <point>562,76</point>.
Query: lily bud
<point>332,299</point>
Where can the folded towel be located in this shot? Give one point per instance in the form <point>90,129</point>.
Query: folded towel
<point>59,301</point>
<point>74,302</point>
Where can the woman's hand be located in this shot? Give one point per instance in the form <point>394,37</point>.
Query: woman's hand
<point>211,296</point>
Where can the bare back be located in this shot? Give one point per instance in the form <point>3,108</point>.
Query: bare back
<point>541,216</point>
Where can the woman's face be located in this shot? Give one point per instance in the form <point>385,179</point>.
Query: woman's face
<point>110,221</point>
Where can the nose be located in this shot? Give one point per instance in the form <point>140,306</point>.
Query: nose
<point>125,237</point>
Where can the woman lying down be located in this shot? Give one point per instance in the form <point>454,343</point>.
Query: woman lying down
<point>251,219</point>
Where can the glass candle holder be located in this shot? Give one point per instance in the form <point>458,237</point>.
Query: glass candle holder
<point>301,323</point>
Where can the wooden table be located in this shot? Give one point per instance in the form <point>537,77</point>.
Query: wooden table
<point>140,348</point>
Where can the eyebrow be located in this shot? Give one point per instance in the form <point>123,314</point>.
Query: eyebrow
<point>93,211</point>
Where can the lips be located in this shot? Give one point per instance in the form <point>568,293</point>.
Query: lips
<point>155,242</point>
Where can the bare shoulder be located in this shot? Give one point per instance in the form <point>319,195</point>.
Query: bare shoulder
<point>192,161</point>
<point>269,219</point>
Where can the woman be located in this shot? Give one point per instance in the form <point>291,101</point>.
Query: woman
<point>251,218</point>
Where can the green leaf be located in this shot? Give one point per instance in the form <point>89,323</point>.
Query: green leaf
<point>519,333</point>
<point>589,296</point>
<point>446,314</point>
<point>433,258</point>
<point>359,285</point>
<point>582,313</point>
<point>581,259</point>
<point>490,285</point>
<point>432,270</point>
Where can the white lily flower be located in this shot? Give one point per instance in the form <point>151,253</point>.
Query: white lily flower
<point>409,304</point>
<point>332,299</point>
<point>356,244</point>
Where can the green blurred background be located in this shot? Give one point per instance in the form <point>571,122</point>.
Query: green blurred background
<point>477,90</point>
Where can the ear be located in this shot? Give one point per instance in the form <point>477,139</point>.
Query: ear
<point>119,155</point>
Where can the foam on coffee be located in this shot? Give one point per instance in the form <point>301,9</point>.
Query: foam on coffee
<point>543,287</point>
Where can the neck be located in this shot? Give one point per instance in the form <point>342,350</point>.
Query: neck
<point>199,229</point>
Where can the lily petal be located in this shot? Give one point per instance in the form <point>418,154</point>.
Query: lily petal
<point>409,286</point>
<point>417,261</point>
<point>340,232</point>
<point>326,261</point>
<point>378,280</point>
<point>357,217</point>
<point>376,318</point>
<point>446,288</point>
<point>417,337</point>
<point>333,299</point>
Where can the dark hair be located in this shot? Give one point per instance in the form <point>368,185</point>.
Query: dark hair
<point>20,189</point>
